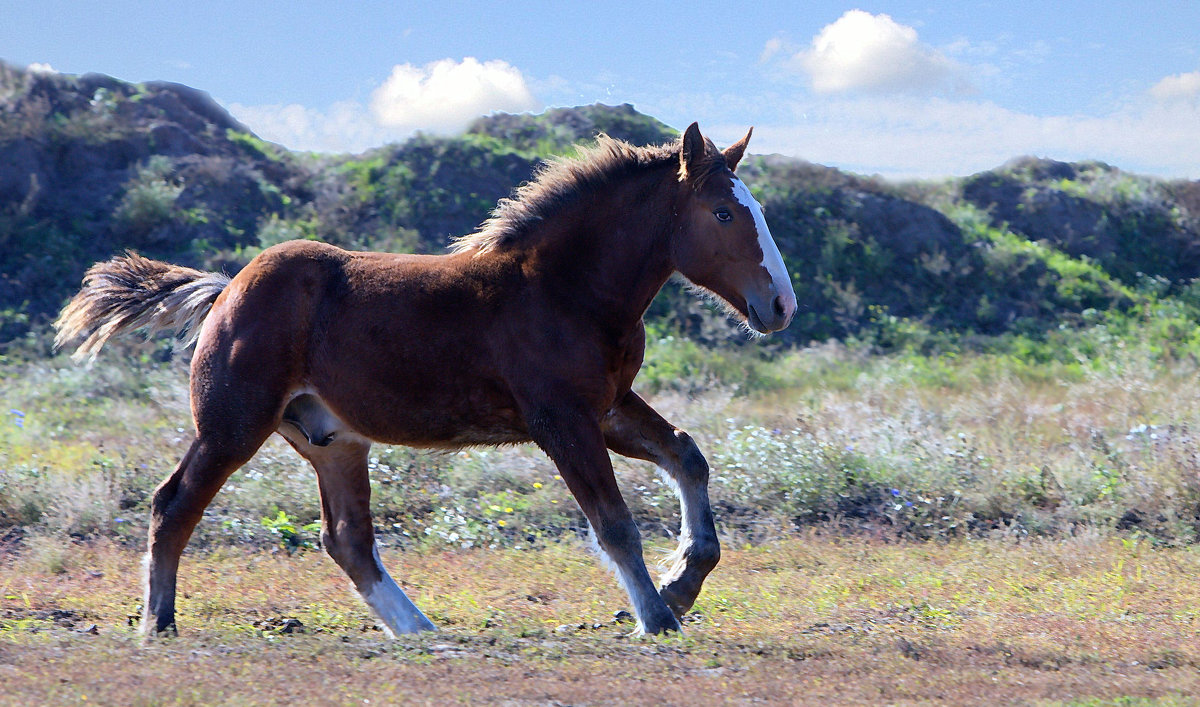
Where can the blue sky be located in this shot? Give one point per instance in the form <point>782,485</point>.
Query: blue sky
<point>895,88</point>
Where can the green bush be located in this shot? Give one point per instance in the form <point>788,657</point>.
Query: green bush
<point>149,199</point>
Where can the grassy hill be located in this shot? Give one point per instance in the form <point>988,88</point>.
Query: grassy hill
<point>90,166</point>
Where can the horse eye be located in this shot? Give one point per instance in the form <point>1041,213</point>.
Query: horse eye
<point>723,215</point>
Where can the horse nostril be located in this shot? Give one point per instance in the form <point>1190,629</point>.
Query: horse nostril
<point>780,307</point>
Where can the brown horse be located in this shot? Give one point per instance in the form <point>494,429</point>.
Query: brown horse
<point>530,329</point>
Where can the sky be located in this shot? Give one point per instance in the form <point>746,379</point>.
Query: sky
<point>899,89</point>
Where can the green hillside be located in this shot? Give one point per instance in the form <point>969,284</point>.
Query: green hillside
<point>90,166</point>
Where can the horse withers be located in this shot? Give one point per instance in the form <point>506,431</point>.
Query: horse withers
<point>528,330</point>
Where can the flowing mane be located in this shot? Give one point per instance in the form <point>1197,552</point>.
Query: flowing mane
<point>561,181</point>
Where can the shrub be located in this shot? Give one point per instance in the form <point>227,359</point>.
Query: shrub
<point>149,199</point>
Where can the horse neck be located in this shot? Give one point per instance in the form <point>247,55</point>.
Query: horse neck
<point>613,251</point>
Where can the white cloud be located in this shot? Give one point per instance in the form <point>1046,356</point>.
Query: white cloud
<point>875,54</point>
<point>440,97</point>
<point>908,136</point>
<point>446,95</point>
<point>1177,87</point>
<point>40,68</point>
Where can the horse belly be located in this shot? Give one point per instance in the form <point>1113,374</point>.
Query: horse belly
<point>410,355</point>
<point>430,413</point>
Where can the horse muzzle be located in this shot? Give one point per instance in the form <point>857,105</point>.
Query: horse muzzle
<point>772,313</point>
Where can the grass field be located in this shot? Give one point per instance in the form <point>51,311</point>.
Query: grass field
<point>962,529</point>
<point>810,620</point>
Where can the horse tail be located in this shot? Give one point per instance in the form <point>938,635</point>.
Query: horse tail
<point>129,293</point>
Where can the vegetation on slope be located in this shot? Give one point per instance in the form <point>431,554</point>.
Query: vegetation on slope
<point>90,166</point>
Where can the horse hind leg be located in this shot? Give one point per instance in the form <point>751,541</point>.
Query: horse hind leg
<point>175,508</point>
<point>698,551</point>
<point>347,532</point>
<point>237,387</point>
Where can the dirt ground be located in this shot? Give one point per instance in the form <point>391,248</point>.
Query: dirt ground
<point>809,621</point>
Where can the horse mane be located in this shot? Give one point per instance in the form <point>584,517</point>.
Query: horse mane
<point>561,181</point>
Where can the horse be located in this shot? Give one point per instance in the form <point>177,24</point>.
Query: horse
<point>529,329</point>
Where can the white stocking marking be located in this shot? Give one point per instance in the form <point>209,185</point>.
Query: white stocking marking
<point>392,605</point>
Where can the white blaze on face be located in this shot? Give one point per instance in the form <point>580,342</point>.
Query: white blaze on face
<point>772,260</point>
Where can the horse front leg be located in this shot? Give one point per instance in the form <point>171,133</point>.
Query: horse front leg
<point>634,429</point>
<point>573,440</point>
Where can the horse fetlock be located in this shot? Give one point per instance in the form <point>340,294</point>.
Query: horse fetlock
<point>696,555</point>
<point>159,622</point>
<point>654,615</point>
<point>703,554</point>
<point>681,594</point>
<point>163,631</point>
<point>394,609</point>
<point>683,581</point>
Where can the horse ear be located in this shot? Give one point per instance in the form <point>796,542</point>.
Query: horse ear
<point>733,153</point>
<point>692,151</point>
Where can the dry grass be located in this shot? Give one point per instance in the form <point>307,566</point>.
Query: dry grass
<point>1083,621</point>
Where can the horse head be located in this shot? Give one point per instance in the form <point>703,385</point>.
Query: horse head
<point>723,244</point>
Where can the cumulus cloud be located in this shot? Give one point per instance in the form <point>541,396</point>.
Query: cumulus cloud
<point>446,95</point>
<point>861,52</point>
<point>1177,87</point>
<point>40,68</point>
<point>440,97</point>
